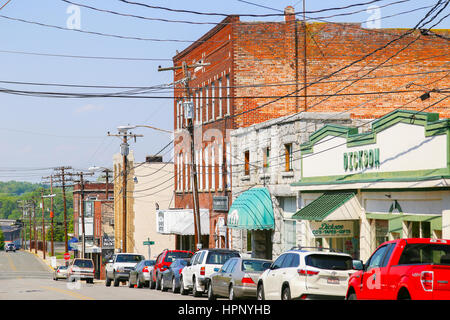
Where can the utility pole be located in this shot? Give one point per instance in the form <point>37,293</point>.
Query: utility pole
<point>29,202</point>
<point>21,205</point>
<point>305,84</point>
<point>43,225</point>
<point>63,180</point>
<point>189,114</point>
<point>124,151</point>
<point>51,213</point>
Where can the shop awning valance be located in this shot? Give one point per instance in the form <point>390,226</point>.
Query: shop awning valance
<point>331,206</point>
<point>252,210</point>
<point>395,220</point>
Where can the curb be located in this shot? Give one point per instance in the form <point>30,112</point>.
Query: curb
<point>44,261</point>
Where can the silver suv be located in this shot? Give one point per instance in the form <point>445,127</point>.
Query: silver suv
<point>10,247</point>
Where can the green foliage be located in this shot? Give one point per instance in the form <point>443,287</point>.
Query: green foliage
<point>12,192</point>
<point>2,240</point>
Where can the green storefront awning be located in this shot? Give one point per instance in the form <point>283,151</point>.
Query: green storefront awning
<point>395,220</point>
<point>252,210</point>
<point>323,206</point>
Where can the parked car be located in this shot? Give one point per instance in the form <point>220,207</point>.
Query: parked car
<point>304,274</point>
<point>163,261</point>
<point>171,276</point>
<point>237,278</point>
<point>81,269</point>
<point>118,268</point>
<point>417,269</point>
<point>140,274</point>
<point>203,264</point>
<point>60,273</point>
<point>10,247</point>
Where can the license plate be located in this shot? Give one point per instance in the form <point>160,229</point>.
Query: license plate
<point>333,280</point>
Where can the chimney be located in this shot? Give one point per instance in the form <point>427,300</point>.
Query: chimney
<point>153,159</point>
<point>289,14</point>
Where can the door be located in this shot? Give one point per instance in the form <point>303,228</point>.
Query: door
<point>228,275</point>
<point>187,271</point>
<point>272,285</point>
<point>371,279</point>
<point>219,279</point>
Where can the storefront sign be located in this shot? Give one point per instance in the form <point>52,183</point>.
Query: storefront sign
<point>220,203</point>
<point>336,229</point>
<point>362,159</point>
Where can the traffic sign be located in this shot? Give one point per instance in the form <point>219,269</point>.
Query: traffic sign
<point>149,243</point>
<point>66,256</point>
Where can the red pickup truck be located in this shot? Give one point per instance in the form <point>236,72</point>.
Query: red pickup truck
<point>417,269</point>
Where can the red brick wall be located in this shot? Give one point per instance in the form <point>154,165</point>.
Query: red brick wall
<point>265,54</point>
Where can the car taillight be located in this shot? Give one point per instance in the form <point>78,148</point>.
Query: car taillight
<point>145,269</point>
<point>303,296</point>
<point>426,278</point>
<point>304,272</point>
<point>247,280</point>
<point>179,271</point>
<point>202,271</point>
<point>57,270</point>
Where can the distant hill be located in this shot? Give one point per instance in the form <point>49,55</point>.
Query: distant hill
<point>18,188</point>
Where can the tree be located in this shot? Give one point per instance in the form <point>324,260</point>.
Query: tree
<point>2,240</point>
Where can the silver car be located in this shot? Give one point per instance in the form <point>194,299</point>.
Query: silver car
<point>237,278</point>
<point>60,273</point>
<point>140,274</point>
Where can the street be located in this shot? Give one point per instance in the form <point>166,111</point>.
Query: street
<point>23,276</point>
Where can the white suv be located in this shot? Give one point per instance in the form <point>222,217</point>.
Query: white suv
<point>203,264</point>
<point>302,274</point>
<point>118,268</point>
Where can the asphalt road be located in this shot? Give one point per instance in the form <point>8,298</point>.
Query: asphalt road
<point>24,276</point>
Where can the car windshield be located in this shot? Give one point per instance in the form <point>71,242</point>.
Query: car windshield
<point>129,258</point>
<point>83,263</point>
<point>328,261</point>
<point>62,267</point>
<point>215,257</point>
<point>149,263</point>
<point>417,253</point>
<point>255,265</point>
<point>171,256</point>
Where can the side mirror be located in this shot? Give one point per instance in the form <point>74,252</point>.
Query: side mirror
<point>273,267</point>
<point>358,265</point>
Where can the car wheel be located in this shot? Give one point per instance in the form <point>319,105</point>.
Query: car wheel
<point>90,281</point>
<point>211,296</point>
<point>107,280</point>
<point>231,295</point>
<point>174,286</point>
<point>183,290</point>
<point>151,283</point>
<point>130,283</point>
<point>352,296</point>
<point>286,294</point>
<point>260,292</point>
<point>158,283</point>
<point>163,285</point>
<point>139,283</point>
<point>195,292</point>
<point>116,281</point>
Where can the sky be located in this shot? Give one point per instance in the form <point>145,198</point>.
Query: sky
<point>38,133</point>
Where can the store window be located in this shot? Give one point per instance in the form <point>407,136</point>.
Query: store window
<point>289,234</point>
<point>288,157</point>
<point>247,163</point>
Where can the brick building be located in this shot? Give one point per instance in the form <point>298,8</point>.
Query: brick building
<point>257,72</point>
<point>98,222</point>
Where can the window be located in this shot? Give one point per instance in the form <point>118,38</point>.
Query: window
<point>207,102</point>
<point>220,257</point>
<point>212,168</point>
<point>279,262</point>
<point>220,98</point>
<point>171,256</point>
<point>206,168</point>
<point>213,100</point>
<point>225,265</point>
<point>228,156</point>
<point>329,261</point>
<point>200,164</point>
<point>388,255</point>
<point>429,253</point>
<point>289,234</point>
<point>201,105</point>
<point>292,260</point>
<point>288,157</point>
<point>220,166</point>
<point>266,157</point>
<point>247,163</point>
<point>255,265</point>
<point>228,100</point>
<point>377,258</point>
<point>129,258</point>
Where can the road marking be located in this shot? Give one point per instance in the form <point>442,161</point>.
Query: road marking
<point>70,293</point>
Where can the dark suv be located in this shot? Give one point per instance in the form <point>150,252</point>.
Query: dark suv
<point>163,261</point>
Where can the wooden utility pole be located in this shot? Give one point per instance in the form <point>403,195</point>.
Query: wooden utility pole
<point>305,83</point>
<point>189,114</point>
<point>51,213</point>
<point>63,180</point>
<point>43,224</point>
<point>124,150</point>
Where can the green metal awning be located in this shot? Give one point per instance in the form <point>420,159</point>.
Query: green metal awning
<point>395,220</point>
<point>252,210</point>
<point>323,206</point>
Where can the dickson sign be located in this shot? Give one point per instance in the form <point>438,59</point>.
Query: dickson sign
<point>329,229</point>
<point>362,159</point>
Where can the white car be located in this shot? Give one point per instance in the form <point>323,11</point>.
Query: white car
<point>303,274</point>
<point>203,264</point>
<point>118,268</point>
